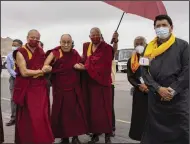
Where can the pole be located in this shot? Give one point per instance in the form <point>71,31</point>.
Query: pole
<point>118,26</point>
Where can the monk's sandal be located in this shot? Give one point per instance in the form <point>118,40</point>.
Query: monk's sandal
<point>107,140</point>
<point>75,140</point>
<point>94,139</point>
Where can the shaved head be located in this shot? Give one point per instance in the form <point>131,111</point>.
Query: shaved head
<point>95,29</point>
<point>33,31</point>
<point>66,42</point>
<point>66,36</point>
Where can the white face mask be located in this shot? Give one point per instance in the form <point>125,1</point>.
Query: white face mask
<point>162,32</point>
<point>139,49</point>
<point>14,48</point>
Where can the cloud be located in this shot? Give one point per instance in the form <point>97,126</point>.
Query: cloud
<point>53,18</point>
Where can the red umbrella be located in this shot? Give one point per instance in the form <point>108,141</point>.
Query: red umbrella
<point>146,9</point>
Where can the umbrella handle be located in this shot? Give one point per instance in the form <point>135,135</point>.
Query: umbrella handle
<point>118,26</point>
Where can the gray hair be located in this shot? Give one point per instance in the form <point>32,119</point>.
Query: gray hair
<point>140,38</point>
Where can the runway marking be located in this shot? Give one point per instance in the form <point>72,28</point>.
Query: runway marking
<point>127,122</point>
<point>6,115</point>
<point>118,120</point>
<point>7,99</point>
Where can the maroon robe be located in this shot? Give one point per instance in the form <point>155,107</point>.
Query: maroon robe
<point>1,121</point>
<point>68,116</point>
<point>97,87</point>
<point>30,94</point>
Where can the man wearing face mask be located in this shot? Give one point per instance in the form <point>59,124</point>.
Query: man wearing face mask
<point>30,93</point>
<point>166,72</point>
<point>97,63</point>
<point>140,98</point>
<point>11,69</point>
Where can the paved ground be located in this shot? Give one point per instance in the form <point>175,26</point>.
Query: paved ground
<point>123,101</point>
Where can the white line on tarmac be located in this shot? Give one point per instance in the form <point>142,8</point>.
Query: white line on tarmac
<point>7,99</point>
<point>118,120</point>
<point>6,115</point>
<point>127,122</point>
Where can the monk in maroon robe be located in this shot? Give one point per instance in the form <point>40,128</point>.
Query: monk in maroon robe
<point>97,59</point>
<point>68,115</point>
<point>30,94</point>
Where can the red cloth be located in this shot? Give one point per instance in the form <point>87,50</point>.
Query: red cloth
<point>33,120</point>
<point>147,9</point>
<point>96,86</point>
<point>99,64</point>
<point>68,114</point>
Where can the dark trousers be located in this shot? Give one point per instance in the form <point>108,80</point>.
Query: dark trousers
<point>113,110</point>
<point>13,105</point>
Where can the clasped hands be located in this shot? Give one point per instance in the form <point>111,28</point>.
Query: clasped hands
<point>143,88</point>
<point>165,93</point>
<point>79,66</point>
<point>46,69</point>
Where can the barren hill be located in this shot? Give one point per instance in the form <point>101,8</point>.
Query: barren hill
<point>6,44</point>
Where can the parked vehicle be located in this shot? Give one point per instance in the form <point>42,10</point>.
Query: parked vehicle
<point>123,56</point>
<point>116,60</point>
<point>4,62</point>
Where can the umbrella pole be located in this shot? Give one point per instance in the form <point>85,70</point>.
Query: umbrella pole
<point>118,26</point>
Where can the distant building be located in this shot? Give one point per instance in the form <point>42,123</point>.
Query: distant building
<point>6,46</point>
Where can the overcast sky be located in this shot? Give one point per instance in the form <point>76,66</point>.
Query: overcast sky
<point>54,18</point>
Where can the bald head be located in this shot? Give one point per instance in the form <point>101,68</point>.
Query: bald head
<point>66,42</point>
<point>140,40</point>
<point>95,29</point>
<point>66,36</point>
<point>33,31</point>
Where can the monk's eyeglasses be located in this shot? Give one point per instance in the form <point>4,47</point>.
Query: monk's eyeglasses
<point>67,43</point>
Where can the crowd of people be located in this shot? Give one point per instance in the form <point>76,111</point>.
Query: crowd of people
<point>83,89</point>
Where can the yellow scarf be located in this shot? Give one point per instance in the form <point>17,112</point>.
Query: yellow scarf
<point>89,51</point>
<point>152,50</point>
<point>134,62</point>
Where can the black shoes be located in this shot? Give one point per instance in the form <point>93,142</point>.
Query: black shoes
<point>64,141</point>
<point>75,140</point>
<point>94,139</point>
<point>10,123</point>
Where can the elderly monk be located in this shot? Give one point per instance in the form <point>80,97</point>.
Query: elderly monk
<point>166,72</point>
<point>1,121</point>
<point>30,94</point>
<point>68,115</point>
<point>139,92</point>
<point>97,59</point>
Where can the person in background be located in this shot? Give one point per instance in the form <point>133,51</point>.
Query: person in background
<point>165,67</point>
<point>1,121</point>
<point>11,69</point>
<point>47,76</point>
<point>115,47</point>
<point>41,44</point>
<point>139,92</point>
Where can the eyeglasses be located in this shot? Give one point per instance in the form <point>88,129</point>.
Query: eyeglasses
<point>66,43</point>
